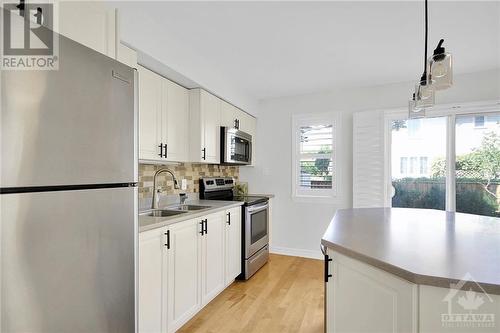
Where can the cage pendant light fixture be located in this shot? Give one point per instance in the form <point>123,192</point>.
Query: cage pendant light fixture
<point>437,75</point>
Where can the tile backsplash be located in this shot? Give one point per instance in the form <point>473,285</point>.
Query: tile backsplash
<point>190,171</point>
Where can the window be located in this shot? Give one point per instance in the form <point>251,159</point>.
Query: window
<point>423,166</point>
<point>403,165</point>
<point>413,165</point>
<point>314,154</point>
<point>458,154</point>
<point>479,121</point>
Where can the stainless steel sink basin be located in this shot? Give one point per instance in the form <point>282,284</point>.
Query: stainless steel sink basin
<point>185,208</point>
<point>163,212</point>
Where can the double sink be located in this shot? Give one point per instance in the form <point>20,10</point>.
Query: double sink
<point>174,210</point>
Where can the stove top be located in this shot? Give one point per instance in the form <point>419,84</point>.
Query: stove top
<point>250,199</point>
<point>221,188</point>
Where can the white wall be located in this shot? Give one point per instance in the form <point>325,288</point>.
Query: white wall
<point>298,227</point>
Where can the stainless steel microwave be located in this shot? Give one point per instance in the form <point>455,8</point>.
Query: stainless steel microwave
<point>236,146</point>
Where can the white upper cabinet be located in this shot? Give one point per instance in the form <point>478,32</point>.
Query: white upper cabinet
<point>229,115</point>
<point>205,121</point>
<point>163,118</point>
<point>233,117</point>
<point>175,121</point>
<point>212,258</point>
<point>91,23</point>
<point>232,245</point>
<point>150,112</point>
<point>126,55</point>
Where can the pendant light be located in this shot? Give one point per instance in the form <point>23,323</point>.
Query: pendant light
<point>440,68</point>
<point>437,75</point>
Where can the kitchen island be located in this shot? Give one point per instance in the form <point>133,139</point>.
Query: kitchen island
<point>407,270</point>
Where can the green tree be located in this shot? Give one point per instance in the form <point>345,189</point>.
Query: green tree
<point>323,164</point>
<point>482,165</point>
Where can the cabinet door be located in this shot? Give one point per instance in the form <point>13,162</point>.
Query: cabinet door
<point>150,109</point>
<point>152,273</point>
<point>233,244</point>
<point>175,126</point>
<point>247,123</point>
<point>126,55</point>
<point>362,298</point>
<point>213,257</point>
<point>184,273</point>
<point>210,118</point>
<point>90,23</point>
<point>228,114</point>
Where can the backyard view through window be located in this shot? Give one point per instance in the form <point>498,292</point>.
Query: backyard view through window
<point>315,161</point>
<point>418,146</point>
<point>419,162</point>
<point>478,164</point>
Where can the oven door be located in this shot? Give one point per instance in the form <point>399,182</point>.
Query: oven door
<point>256,228</point>
<point>237,147</point>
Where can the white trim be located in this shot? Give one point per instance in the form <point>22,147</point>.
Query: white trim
<point>286,251</point>
<point>450,195</point>
<point>319,195</point>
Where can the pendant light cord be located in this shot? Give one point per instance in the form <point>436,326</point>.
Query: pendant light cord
<point>424,75</point>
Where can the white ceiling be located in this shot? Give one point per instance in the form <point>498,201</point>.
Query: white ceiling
<point>271,49</point>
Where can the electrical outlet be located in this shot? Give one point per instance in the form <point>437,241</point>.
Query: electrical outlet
<point>184,184</point>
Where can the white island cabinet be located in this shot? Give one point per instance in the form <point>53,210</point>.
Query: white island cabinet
<point>411,270</point>
<point>361,298</point>
<point>183,266</point>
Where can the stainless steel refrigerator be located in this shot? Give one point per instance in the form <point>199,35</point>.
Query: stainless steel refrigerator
<point>68,196</point>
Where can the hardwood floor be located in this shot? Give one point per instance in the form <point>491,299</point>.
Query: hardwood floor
<point>286,295</point>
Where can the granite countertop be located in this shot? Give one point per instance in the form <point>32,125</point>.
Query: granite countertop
<point>423,246</point>
<point>150,222</point>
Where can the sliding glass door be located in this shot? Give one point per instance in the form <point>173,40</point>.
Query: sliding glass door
<point>477,164</point>
<point>418,149</point>
<point>451,162</point>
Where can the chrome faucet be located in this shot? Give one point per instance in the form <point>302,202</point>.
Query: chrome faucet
<point>154,204</point>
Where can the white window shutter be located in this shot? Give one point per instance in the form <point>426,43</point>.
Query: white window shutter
<point>368,159</point>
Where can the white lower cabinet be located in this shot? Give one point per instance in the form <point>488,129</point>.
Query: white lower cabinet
<point>361,298</point>
<point>182,267</point>
<point>212,257</point>
<point>152,286</point>
<point>233,245</point>
<point>183,273</point>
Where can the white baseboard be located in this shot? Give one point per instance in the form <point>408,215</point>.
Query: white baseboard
<point>296,252</point>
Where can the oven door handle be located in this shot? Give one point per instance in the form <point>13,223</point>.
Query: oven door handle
<point>257,208</point>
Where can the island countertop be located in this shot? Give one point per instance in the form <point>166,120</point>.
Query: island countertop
<point>423,246</point>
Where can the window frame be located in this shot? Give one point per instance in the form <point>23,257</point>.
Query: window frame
<point>450,112</point>
<point>315,195</point>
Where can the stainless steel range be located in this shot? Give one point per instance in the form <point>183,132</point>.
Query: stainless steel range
<point>255,222</point>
